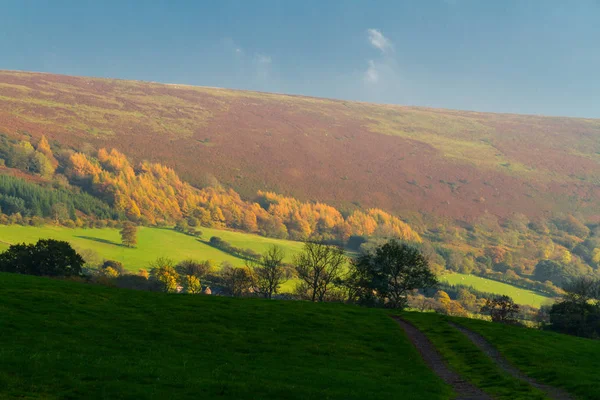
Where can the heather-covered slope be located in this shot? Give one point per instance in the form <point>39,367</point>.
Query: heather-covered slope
<point>454,163</point>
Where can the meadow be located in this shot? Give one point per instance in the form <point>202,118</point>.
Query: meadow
<point>66,340</point>
<point>152,243</point>
<point>519,295</point>
<point>164,242</point>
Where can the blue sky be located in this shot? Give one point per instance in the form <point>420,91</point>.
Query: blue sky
<point>523,56</point>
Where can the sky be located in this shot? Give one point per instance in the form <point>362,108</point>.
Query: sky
<point>521,56</point>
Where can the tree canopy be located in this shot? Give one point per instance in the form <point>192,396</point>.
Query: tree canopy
<point>387,275</point>
<point>47,257</point>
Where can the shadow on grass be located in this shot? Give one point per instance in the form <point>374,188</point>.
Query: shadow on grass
<point>106,241</point>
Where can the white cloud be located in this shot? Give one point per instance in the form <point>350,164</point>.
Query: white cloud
<point>379,41</point>
<point>371,74</point>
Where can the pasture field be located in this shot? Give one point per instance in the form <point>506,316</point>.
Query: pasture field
<point>163,242</point>
<point>519,295</point>
<point>65,339</point>
<point>152,243</point>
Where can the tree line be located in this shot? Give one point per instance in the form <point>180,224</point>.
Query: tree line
<point>391,276</point>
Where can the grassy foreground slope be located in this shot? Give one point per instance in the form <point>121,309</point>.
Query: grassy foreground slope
<point>454,163</point>
<point>152,243</point>
<point>70,341</point>
<point>559,360</point>
<point>519,295</point>
<point>464,357</point>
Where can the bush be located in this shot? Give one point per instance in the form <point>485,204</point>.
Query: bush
<point>501,309</point>
<point>116,265</point>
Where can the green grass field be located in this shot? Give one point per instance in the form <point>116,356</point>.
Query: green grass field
<point>520,296</point>
<point>568,362</point>
<point>67,340</point>
<point>465,358</point>
<point>152,243</point>
<point>161,242</point>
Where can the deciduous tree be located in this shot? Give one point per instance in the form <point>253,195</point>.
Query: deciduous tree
<point>129,234</point>
<point>390,273</point>
<point>501,309</point>
<point>47,257</point>
<point>269,271</point>
<point>318,266</point>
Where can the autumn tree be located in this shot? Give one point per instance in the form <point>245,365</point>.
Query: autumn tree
<point>446,305</point>
<point>269,271</point>
<point>44,148</point>
<point>319,266</point>
<point>163,274</point>
<point>116,266</point>
<point>191,284</point>
<point>129,234</point>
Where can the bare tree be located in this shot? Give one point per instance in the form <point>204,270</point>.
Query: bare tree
<point>270,271</point>
<point>238,281</point>
<point>319,266</point>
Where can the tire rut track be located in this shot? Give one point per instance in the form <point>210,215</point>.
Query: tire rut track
<point>485,346</point>
<point>464,389</point>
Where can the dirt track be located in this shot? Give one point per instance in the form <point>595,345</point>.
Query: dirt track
<point>487,348</point>
<point>434,360</point>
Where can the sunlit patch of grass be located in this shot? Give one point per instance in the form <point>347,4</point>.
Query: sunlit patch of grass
<point>519,295</point>
<point>152,243</point>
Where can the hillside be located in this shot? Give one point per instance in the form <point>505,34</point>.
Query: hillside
<point>71,340</point>
<point>402,159</point>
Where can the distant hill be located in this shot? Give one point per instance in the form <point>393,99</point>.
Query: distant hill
<point>449,163</point>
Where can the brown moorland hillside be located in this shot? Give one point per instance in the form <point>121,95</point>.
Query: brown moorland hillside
<point>452,163</point>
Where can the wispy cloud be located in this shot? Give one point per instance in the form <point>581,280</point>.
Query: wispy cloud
<point>384,68</point>
<point>379,41</point>
<point>371,74</point>
<point>382,79</point>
